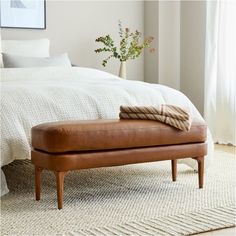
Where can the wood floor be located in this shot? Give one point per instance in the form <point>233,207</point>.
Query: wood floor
<point>222,232</point>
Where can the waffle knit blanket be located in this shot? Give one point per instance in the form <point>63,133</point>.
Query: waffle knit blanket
<point>171,115</point>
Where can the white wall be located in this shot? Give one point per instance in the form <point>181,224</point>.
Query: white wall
<point>151,60</point>
<point>193,28</point>
<point>73,26</point>
<point>179,28</point>
<point>162,20</point>
<point>169,43</point>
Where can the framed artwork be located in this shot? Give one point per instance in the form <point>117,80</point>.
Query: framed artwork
<point>29,14</point>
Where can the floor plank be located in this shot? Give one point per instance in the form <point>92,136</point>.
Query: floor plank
<point>221,232</point>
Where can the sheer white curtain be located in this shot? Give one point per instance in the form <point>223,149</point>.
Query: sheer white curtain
<point>220,72</point>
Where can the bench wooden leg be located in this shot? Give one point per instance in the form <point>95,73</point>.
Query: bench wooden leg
<point>38,172</point>
<point>60,188</point>
<point>174,169</point>
<point>200,161</point>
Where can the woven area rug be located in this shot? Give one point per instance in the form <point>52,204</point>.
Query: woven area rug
<point>130,200</point>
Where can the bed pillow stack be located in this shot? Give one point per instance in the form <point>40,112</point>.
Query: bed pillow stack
<point>30,53</point>
<point>13,61</point>
<point>27,48</point>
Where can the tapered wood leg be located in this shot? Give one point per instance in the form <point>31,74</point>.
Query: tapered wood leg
<point>200,161</point>
<point>60,188</point>
<point>38,172</point>
<point>174,169</point>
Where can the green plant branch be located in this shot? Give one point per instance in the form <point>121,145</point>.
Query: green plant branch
<point>130,46</point>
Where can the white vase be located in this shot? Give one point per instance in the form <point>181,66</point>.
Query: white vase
<point>122,72</point>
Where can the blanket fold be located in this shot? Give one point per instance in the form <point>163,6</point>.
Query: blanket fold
<point>171,115</point>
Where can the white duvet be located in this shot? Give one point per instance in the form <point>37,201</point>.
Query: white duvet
<point>35,95</point>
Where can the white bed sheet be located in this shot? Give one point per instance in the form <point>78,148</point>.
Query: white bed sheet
<point>36,95</point>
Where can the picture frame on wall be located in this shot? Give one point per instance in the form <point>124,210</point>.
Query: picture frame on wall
<point>28,14</point>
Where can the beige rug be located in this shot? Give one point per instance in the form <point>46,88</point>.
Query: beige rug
<point>132,200</point>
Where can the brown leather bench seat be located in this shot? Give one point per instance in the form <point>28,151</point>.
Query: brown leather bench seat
<point>71,145</point>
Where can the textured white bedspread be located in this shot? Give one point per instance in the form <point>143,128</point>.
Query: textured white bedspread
<point>33,96</point>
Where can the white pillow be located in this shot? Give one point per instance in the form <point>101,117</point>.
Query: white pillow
<point>13,61</point>
<point>27,48</point>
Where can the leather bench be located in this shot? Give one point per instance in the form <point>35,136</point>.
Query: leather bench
<point>75,145</point>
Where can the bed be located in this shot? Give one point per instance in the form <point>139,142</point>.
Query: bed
<point>30,96</point>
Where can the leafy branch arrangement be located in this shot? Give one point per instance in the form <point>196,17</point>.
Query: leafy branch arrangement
<point>130,46</point>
